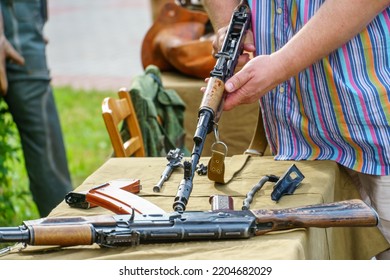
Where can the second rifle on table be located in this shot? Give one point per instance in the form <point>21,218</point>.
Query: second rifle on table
<point>174,158</point>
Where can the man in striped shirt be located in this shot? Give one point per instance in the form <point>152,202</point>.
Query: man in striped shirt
<point>322,74</point>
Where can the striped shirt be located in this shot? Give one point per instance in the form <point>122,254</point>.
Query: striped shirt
<point>339,108</point>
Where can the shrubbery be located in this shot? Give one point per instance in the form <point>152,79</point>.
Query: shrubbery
<point>16,204</point>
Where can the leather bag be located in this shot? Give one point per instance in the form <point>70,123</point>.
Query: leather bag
<point>178,41</point>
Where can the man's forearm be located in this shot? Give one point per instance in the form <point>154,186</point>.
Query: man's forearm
<point>335,23</point>
<point>219,11</point>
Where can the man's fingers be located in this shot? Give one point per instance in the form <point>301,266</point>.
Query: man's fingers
<point>238,88</point>
<point>7,52</point>
<point>249,43</point>
<point>237,81</point>
<point>3,80</point>
<point>12,54</point>
<point>218,40</point>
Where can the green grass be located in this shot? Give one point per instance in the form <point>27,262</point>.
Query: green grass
<point>86,141</point>
<point>85,135</point>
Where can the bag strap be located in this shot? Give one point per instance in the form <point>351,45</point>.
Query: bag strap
<point>218,172</point>
<point>222,173</point>
<point>259,141</point>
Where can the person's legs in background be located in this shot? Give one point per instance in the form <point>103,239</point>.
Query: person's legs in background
<point>31,103</point>
<point>33,109</point>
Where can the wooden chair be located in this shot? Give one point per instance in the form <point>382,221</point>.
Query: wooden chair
<point>115,111</point>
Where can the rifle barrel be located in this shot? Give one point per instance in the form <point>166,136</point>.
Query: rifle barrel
<point>14,234</point>
<point>164,177</point>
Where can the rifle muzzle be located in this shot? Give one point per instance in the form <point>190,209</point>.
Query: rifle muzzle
<point>14,234</point>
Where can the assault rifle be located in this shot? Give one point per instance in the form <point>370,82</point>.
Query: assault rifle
<point>129,230</point>
<point>213,98</point>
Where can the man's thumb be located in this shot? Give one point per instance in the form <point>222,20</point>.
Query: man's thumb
<point>229,86</point>
<point>235,82</point>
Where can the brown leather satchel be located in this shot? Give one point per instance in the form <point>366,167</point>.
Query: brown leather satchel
<point>178,41</point>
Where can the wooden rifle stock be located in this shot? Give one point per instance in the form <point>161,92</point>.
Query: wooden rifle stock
<point>348,213</point>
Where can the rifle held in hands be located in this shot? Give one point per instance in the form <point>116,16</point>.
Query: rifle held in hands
<point>213,98</point>
<point>128,230</point>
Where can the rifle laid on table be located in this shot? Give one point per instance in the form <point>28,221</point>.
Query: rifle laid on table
<point>130,230</point>
<point>174,158</point>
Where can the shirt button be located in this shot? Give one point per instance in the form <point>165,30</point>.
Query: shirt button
<point>281,89</point>
<point>279,10</point>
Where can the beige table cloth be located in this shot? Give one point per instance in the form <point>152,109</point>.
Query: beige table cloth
<point>324,182</point>
<point>236,127</point>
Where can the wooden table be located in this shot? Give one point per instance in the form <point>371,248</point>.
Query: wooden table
<point>324,182</point>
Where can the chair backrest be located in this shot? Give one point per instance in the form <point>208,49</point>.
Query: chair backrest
<point>115,112</point>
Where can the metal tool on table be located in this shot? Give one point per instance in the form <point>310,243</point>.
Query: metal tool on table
<point>288,183</point>
<point>249,196</point>
<point>285,184</point>
<point>221,202</point>
<point>174,158</point>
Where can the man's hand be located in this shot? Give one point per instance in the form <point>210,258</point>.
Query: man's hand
<point>220,13</point>
<point>7,51</point>
<point>260,75</point>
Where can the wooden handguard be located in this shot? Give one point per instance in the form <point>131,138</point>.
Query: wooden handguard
<point>213,96</point>
<point>62,235</point>
<point>67,231</point>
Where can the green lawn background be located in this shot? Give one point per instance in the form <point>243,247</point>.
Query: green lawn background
<point>86,141</point>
